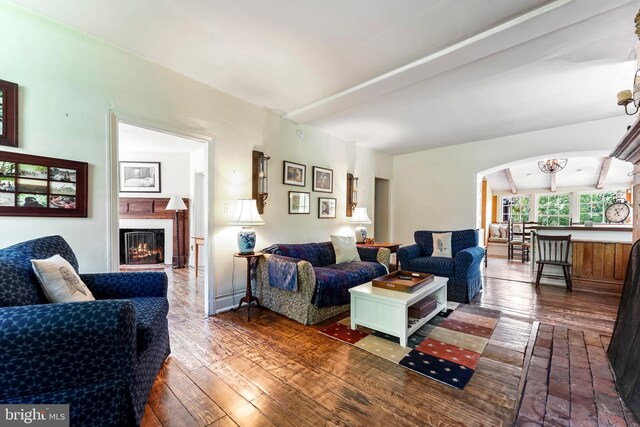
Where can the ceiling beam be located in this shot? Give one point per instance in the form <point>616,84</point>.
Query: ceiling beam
<point>519,30</point>
<point>512,183</point>
<point>604,170</point>
<point>553,182</point>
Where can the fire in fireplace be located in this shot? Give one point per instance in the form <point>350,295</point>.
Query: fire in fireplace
<point>141,246</point>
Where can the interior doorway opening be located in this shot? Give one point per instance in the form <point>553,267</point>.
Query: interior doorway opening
<point>173,156</point>
<point>381,210</point>
<point>519,197</point>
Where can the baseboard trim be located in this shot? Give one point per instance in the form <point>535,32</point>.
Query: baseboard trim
<point>229,301</point>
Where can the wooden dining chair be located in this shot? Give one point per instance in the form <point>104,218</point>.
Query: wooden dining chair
<point>554,250</point>
<point>520,239</point>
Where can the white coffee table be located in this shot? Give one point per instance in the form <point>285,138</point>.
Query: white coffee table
<point>386,311</point>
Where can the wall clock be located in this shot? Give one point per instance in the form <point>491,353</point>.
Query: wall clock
<point>618,211</point>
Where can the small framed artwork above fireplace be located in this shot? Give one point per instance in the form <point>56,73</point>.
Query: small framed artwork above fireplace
<point>139,177</point>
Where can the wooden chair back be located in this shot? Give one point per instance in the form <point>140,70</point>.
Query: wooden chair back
<point>527,228</point>
<point>553,249</point>
<point>520,231</point>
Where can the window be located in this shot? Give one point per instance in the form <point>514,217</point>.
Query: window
<point>554,209</point>
<point>593,205</point>
<point>515,208</point>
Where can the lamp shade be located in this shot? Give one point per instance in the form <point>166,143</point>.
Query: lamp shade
<point>360,216</point>
<point>246,214</point>
<point>176,204</point>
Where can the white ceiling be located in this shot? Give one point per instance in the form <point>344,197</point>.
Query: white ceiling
<point>141,140</point>
<point>472,69</point>
<point>579,172</point>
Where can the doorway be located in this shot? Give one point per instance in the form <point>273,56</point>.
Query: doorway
<point>381,210</point>
<point>201,148</point>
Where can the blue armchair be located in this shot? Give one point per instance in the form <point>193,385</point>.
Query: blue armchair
<point>463,269</point>
<point>100,357</point>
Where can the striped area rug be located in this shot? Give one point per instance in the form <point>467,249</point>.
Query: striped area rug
<point>446,349</point>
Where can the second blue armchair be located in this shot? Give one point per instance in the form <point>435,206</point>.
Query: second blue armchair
<point>462,269</point>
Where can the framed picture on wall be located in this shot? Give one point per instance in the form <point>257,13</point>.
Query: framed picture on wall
<point>299,202</point>
<point>139,177</point>
<point>8,113</point>
<point>322,180</point>
<point>294,174</point>
<point>326,207</point>
<point>42,186</point>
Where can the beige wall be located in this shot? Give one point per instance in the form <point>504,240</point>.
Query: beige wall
<point>69,82</point>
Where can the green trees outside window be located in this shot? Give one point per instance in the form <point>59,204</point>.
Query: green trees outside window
<point>593,205</point>
<point>515,208</point>
<point>554,209</point>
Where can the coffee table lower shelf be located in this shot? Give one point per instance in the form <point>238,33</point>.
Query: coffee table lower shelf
<point>386,311</point>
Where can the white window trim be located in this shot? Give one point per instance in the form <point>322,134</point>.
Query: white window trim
<point>572,203</point>
<point>580,193</point>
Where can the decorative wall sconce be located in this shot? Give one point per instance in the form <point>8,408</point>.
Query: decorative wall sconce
<point>352,193</point>
<point>627,97</point>
<point>260,184</point>
<point>552,165</point>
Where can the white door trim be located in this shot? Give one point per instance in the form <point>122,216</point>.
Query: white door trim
<point>113,119</point>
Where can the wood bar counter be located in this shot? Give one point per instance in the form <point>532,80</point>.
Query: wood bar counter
<point>599,257</point>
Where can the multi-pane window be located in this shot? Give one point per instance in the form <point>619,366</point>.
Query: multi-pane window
<point>554,209</point>
<point>593,205</point>
<point>515,208</point>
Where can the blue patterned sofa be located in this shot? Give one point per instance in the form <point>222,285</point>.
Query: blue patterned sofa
<point>100,357</point>
<point>323,285</point>
<point>463,269</point>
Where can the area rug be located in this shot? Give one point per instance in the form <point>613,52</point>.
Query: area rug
<point>446,349</point>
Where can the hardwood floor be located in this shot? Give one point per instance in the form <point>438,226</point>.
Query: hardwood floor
<point>225,370</point>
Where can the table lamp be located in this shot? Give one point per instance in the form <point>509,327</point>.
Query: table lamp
<point>246,215</point>
<point>360,217</point>
<point>176,204</point>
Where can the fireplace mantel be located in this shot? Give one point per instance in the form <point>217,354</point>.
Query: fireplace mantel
<point>155,208</point>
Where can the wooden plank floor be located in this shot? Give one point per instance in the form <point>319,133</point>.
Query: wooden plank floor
<point>225,371</point>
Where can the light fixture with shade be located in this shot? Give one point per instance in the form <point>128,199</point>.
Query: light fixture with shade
<point>552,165</point>
<point>360,217</point>
<point>352,193</point>
<point>246,215</point>
<point>260,181</point>
<point>177,204</point>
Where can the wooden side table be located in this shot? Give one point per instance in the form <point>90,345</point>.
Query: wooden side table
<point>249,298</point>
<point>199,241</point>
<point>393,247</point>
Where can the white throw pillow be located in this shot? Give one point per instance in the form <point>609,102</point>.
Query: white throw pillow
<point>503,231</point>
<point>442,245</point>
<point>59,280</point>
<point>345,247</point>
<point>517,228</point>
<point>494,230</point>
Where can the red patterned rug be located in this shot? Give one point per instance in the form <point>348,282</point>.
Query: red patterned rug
<point>446,349</point>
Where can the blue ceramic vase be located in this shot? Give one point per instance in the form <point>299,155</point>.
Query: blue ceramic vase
<point>361,234</point>
<point>246,241</point>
